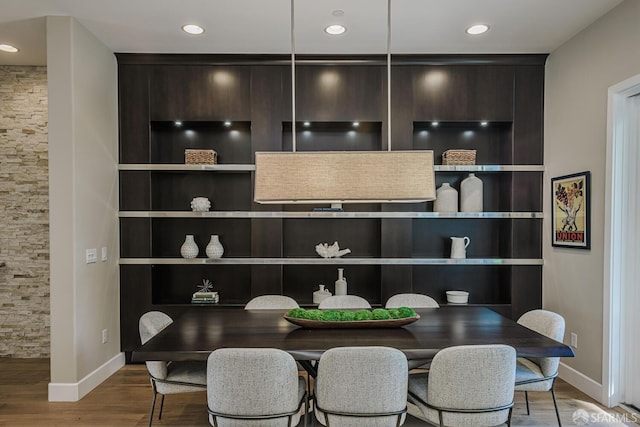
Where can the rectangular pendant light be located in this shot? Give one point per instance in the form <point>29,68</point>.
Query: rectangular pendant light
<point>344,177</point>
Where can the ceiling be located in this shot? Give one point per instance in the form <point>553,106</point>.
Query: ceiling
<point>263,26</point>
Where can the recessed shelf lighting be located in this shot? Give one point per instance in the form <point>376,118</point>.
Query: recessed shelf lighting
<point>335,30</point>
<point>177,123</point>
<point>484,123</point>
<point>306,124</point>
<point>477,29</point>
<point>356,124</point>
<point>227,123</point>
<point>192,29</point>
<point>435,124</point>
<point>8,48</point>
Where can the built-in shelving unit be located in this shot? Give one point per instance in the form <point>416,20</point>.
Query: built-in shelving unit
<point>238,106</point>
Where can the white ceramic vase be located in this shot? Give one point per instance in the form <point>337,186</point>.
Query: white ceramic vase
<point>189,248</point>
<point>341,283</point>
<point>471,194</point>
<point>446,199</point>
<point>214,248</point>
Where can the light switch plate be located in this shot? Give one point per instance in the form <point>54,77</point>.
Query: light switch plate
<point>104,253</point>
<point>91,256</point>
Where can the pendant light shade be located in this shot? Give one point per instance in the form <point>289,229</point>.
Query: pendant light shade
<point>344,177</point>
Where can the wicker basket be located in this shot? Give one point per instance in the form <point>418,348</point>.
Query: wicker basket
<point>200,157</point>
<point>459,157</point>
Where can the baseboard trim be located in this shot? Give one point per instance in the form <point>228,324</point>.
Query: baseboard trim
<point>72,392</point>
<point>582,382</point>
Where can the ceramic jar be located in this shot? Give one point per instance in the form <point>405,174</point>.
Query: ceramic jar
<point>341,283</point>
<point>446,199</point>
<point>471,194</point>
<point>320,294</point>
<point>214,248</point>
<point>189,248</point>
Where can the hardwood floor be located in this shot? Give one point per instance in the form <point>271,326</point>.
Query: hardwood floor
<point>124,400</point>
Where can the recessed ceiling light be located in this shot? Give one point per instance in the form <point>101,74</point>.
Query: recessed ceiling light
<point>8,48</point>
<point>356,124</point>
<point>192,29</point>
<point>177,123</point>
<point>335,29</point>
<point>477,29</point>
<point>484,123</point>
<point>306,124</point>
<point>435,124</point>
<point>227,123</point>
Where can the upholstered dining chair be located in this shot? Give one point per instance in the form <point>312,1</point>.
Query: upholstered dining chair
<point>411,300</point>
<point>361,387</point>
<point>254,387</point>
<point>169,377</point>
<point>540,374</point>
<point>467,386</point>
<point>267,302</point>
<point>343,301</point>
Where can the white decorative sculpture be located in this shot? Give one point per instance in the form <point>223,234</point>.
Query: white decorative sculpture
<point>333,251</point>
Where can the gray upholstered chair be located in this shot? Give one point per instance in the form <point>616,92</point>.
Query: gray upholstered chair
<point>361,386</point>
<point>467,386</point>
<point>540,374</point>
<point>267,302</point>
<point>254,387</point>
<point>411,300</point>
<point>343,301</point>
<point>169,377</point>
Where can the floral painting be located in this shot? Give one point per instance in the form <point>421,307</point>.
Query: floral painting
<point>570,210</point>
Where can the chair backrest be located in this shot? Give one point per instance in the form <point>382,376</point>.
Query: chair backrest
<point>412,301</point>
<point>267,302</point>
<point>343,301</point>
<point>150,324</point>
<point>549,324</point>
<point>251,382</point>
<point>361,380</point>
<point>473,377</point>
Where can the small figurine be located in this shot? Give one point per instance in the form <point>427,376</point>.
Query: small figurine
<point>333,251</point>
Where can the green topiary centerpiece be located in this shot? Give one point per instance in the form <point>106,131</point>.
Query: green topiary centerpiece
<point>349,315</point>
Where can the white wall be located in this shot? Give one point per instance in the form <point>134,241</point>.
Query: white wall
<point>83,150</point>
<point>578,75</point>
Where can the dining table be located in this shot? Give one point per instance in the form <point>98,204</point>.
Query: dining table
<point>196,333</point>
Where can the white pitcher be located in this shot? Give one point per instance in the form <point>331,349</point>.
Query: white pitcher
<point>459,246</point>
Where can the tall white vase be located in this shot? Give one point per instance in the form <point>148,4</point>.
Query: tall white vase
<point>446,199</point>
<point>189,248</point>
<point>214,248</point>
<point>341,283</point>
<point>471,194</point>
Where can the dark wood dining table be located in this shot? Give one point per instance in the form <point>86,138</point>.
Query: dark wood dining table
<point>195,334</point>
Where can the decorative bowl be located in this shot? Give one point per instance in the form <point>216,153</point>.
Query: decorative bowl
<point>457,297</point>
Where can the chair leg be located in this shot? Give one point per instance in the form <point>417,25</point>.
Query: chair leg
<point>153,406</point>
<point>526,399</point>
<point>161,406</point>
<point>555,404</point>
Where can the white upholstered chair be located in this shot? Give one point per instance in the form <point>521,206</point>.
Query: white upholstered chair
<point>267,302</point>
<point>343,301</point>
<point>412,301</point>
<point>254,387</point>
<point>540,374</point>
<point>169,377</point>
<point>361,386</point>
<point>467,386</point>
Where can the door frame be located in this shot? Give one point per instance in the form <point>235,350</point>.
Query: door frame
<point>615,221</point>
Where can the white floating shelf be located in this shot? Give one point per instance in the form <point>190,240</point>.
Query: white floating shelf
<point>334,261</point>
<point>168,167</point>
<point>326,214</point>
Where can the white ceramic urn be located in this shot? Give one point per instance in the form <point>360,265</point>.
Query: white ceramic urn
<point>446,199</point>
<point>471,194</point>
<point>214,248</point>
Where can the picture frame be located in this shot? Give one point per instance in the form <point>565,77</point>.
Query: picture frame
<point>571,210</point>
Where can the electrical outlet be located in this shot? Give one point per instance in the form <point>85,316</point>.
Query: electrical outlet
<point>574,340</point>
<point>104,254</point>
<point>91,256</point>
<point>105,336</point>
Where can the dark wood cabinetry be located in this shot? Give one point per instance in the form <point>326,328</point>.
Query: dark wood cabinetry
<point>239,105</point>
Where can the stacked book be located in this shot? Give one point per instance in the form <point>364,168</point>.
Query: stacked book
<point>205,298</point>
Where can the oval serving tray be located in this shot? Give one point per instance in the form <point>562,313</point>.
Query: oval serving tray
<point>325,324</point>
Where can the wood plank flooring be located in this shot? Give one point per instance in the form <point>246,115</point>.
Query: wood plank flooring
<point>124,400</point>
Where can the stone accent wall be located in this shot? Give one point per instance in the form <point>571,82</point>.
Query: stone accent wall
<point>24,213</point>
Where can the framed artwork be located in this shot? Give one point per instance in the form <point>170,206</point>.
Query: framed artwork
<point>570,210</point>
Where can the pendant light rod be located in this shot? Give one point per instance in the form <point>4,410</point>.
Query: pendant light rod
<point>293,80</point>
<point>388,75</point>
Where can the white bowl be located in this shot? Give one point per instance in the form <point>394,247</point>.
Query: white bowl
<point>457,297</point>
